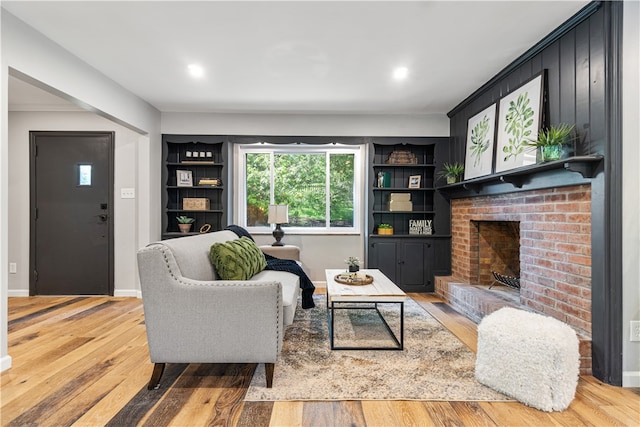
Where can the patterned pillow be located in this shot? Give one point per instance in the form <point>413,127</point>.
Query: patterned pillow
<point>237,259</point>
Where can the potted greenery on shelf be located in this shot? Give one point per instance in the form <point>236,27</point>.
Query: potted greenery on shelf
<point>385,229</point>
<point>184,223</point>
<point>452,172</point>
<point>551,142</point>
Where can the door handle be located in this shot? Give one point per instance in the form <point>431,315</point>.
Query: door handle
<point>103,217</point>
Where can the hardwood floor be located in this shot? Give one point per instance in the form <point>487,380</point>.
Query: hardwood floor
<point>84,362</point>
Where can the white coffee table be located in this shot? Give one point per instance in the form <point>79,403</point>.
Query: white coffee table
<point>349,297</point>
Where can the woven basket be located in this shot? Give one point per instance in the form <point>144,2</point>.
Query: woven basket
<point>402,157</point>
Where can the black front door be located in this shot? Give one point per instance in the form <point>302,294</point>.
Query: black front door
<point>71,213</point>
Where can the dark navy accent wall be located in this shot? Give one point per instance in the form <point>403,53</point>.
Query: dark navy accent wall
<point>581,59</point>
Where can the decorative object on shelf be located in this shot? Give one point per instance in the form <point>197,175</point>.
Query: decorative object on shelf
<point>421,226</point>
<point>402,157</point>
<point>480,140</point>
<point>452,172</point>
<point>278,215</point>
<point>519,121</point>
<point>196,204</point>
<point>384,180</point>
<point>552,141</point>
<point>185,223</point>
<point>210,182</point>
<point>354,263</point>
<point>184,178</point>
<point>385,229</point>
<point>400,202</point>
<point>354,279</point>
<point>205,228</point>
<point>414,181</point>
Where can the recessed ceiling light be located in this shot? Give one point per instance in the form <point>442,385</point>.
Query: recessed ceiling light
<point>400,73</point>
<point>196,70</point>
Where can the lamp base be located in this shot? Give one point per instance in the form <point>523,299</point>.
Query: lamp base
<point>278,234</point>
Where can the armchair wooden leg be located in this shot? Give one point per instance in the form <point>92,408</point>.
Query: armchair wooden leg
<point>158,370</point>
<point>268,369</point>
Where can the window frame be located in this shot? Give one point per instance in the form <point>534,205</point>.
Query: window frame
<point>358,151</point>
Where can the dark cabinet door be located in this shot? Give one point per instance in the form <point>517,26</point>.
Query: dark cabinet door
<point>415,268</point>
<point>383,256</point>
<point>411,264</point>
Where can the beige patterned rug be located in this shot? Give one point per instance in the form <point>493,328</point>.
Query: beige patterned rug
<point>434,364</point>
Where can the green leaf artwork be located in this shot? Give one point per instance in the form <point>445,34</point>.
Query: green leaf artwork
<point>519,120</point>
<point>479,140</point>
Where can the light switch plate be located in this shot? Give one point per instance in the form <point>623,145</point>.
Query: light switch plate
<point>635,330</point>
<point>127,193</point>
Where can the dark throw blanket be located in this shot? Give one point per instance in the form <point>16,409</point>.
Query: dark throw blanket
<point>288,265</point>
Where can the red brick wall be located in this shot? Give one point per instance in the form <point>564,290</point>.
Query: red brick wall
<point>555,247</point>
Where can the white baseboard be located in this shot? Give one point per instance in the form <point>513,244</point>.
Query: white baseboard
<point>631,379</point>
<point>5,363</point>
<point>133,293</point>
<point>18,293</point>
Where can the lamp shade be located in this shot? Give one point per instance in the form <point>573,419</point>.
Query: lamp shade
<point>278,214</point>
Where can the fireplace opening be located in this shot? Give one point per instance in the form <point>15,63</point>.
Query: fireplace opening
<point>499,253</point>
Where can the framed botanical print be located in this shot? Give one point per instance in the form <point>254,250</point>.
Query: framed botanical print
<point>519,120</point>
<point>480,142</point>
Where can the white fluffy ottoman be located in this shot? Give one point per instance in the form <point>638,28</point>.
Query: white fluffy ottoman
<point>530,357</point>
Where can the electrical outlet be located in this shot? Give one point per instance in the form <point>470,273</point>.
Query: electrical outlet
<point>635,330</point>
<point>13,268</point>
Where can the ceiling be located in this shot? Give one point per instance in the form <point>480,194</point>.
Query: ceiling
<point>293,56</point>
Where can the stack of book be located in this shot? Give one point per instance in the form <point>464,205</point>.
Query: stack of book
<point>210,181</point>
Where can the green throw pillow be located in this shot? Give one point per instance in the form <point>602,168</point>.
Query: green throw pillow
<point>237,259</point>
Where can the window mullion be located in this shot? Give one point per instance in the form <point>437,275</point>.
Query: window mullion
<point>272,177</point>
<point>327,190</point>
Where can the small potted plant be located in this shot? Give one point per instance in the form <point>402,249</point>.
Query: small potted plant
<point>184,223</point>
<point>385,229</point>
<point>354,263</point>
<point>551,142</point>
<point>452,172</point>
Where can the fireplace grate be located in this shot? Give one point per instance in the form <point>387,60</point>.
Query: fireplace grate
<point>512,282</point>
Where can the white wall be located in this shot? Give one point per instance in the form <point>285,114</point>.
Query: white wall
<point>125,210</point>
<point>307,124</point>
<point>32,57</point>
<point>631,183</point>
<point>316,252</point>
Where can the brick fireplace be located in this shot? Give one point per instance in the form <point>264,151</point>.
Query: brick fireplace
<point>553,229</point>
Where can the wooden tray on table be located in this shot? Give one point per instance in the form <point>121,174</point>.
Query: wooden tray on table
<point>352,279</point>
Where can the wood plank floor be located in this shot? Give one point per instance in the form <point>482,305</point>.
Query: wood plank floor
<point>84,362</point>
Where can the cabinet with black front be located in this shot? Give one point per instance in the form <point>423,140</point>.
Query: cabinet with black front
<point>193,177</point>
<point>403,198</point>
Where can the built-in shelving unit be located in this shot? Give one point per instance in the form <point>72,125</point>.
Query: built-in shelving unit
<point>419,247</point>
<point>201,156</point>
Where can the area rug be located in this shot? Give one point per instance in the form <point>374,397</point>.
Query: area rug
<point>434,364</point>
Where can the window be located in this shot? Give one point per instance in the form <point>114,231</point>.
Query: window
<point>319,183</point>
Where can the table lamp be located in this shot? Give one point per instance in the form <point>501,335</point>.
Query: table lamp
<point>278,215</point>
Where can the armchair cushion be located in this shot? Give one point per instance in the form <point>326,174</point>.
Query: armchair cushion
<point>238,259</point>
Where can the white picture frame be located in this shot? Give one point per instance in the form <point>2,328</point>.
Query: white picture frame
<point>481,135</point>
<point>414,181</point>
<point>519,120</point>
<point>184,178</point>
